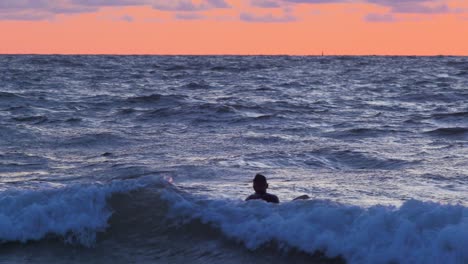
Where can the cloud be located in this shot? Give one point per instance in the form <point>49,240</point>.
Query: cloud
<point>126,18</point>
<point>265,3</point>
<point>71,10</point>
<point>44,9</point>
<point>381,18</point>
<point>48,6</point>
<point>39,9</point>
<point>184,5</point>
<point>422,9</point>
<point>188,5</point>
<point>414,6</point>
<point>218,3</point>
<point>396,6</point>
<point>268,18</point>
<point>188,16</point>
<point>100,3</point>
<point>24,16</point>
<point>316,1</point>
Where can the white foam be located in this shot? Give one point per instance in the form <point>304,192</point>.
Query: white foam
<point>74,212</point>
<point>416,232</point>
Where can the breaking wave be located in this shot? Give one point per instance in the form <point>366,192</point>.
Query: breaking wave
<point>415,232</point>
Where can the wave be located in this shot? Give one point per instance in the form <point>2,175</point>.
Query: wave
<point>196,85</point>
<point>92,139</point>
<point>177,68</point>
<point>39,119</point>
<point>361,132</point>
<point>205,112</point>
<point>348,159</point>
<point>156,98</point>
<point>237,68</point>
<point>449,132</point>
<point>142,209</point>
<point>455,116</point>
<point>55,60</point>
<point>73,120</point>
<point>8,95</point>
<point>75,213</point>
<point>416,232</point>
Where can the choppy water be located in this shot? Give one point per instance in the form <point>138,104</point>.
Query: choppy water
<point>89,146</point>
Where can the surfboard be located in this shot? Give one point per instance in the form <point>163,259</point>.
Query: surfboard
<point>302,197</point>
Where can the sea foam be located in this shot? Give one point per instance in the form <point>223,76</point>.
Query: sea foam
<point>75,212</point>
<point>416,232</point>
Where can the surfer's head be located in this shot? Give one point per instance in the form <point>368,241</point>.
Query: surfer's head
<point>260,184</point>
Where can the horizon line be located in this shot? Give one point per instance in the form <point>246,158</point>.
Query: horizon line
<point>232,54</point>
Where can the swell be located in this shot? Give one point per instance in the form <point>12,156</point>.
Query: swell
<point>136,213</point>
<point>361,132</point>
<point>75,213</point>
<point>38,119</point>
<point>449,132</point>
<point>450,115</point>
<point>55,61</point>
<point>348,159</point>
<point>155,98</point>
<point>8,96</point>
<point>147,216</point>
<point>416,232</point>
<point>144,210</point>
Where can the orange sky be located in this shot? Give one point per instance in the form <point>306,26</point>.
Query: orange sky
<point>352,28</point>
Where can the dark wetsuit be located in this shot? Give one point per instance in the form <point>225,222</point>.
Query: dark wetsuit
<point>264,196</point>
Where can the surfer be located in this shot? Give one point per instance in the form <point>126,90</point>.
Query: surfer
<point>260,186</point>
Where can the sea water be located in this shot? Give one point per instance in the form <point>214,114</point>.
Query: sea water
<point>148,159</point>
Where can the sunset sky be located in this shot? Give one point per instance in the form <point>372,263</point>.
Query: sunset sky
<point>296,27</point>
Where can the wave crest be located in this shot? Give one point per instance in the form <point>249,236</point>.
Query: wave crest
<point>75,213</point>
<point>416,232</point>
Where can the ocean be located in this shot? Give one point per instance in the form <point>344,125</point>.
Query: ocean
<point>148,159</point>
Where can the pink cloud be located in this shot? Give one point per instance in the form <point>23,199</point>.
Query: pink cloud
<point>24,16</point>
<point>414,6</point>
<point>44,9</point>
<point>30,9</point>
<point>126,18</point>
<point>188,16</point>
<point>188,5</point>
<point>268,18</point>
<point>315,1</point>
<point>372,17</point>
<point>265,3</point>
